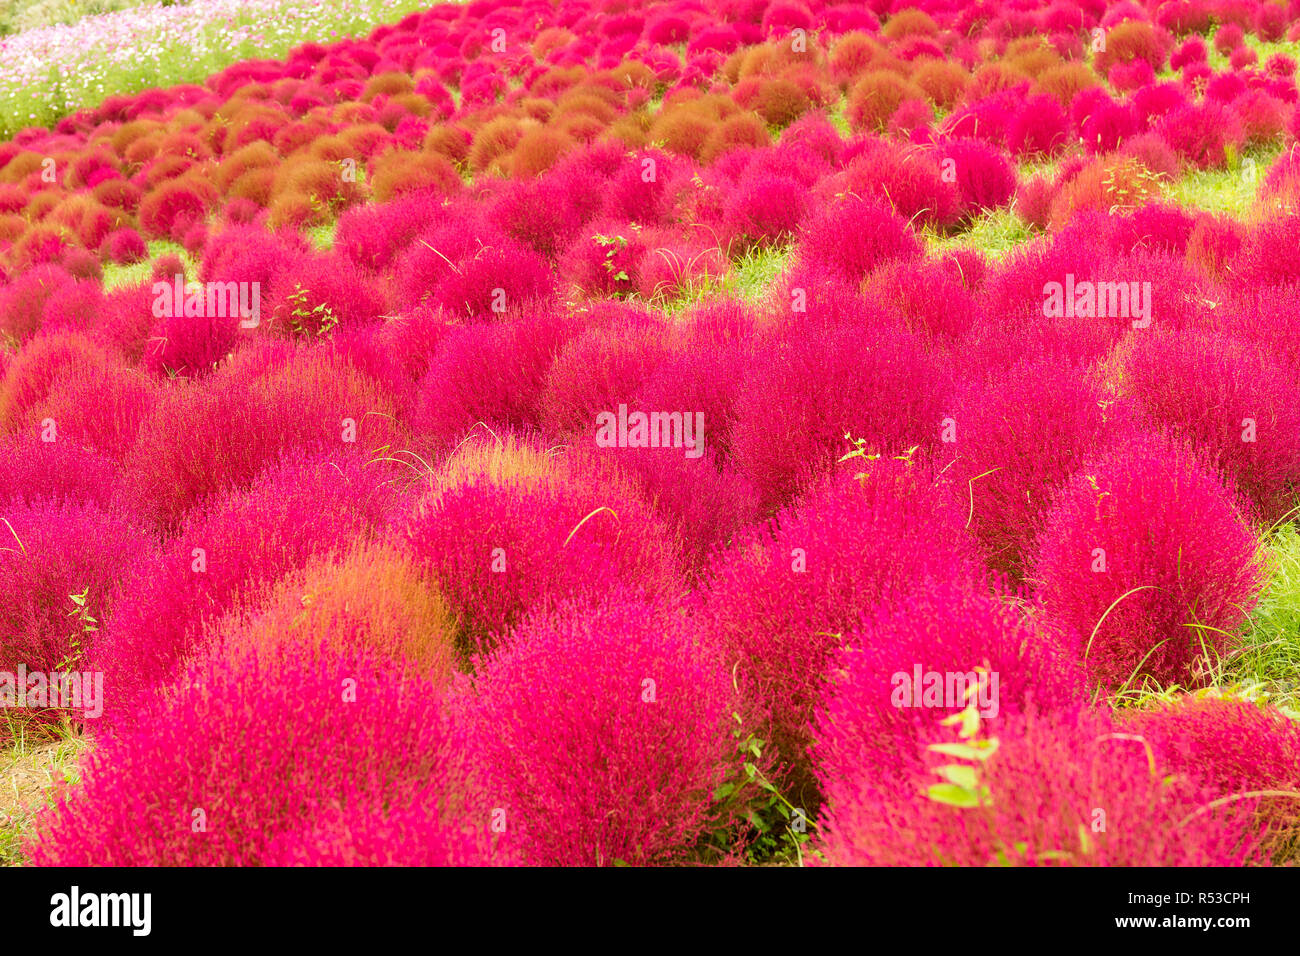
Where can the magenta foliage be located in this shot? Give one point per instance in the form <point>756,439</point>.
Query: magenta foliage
<point>1046,781</point>
<point>32,470</point>
<point>500,549</point>
<point>51,551</point>
<point>1045,404</point>
<point>1148,559</point>
<point>231,549</point>
<point>877,711</point>
<point>805,393</point>
<point>1229,398</point>
<point>321,734</point>
<point>644,709</point>
<point>779,596</point>
<point>490,372</point>
<point>854,235</point>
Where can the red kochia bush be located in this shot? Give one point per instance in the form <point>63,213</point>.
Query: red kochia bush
<point>853,235</point>
<point>102,411</point>
<point>644,710</point>
<point>1201,134</point>
<point>803,394</point>
<point>51,551</point>
<point>985,177</point>
<point>323,731</point>
<point>321,293</point>
<point>258,405</point>
<point>230,550</point>
<point>1147,558</point>
<point>45,363</point>
<point>191,341</point>
<point>909,181</point>
<point>32,470</point>
<point>1046,404</point>
<point>598,370</point>
<point>171,209</point>
<point>929,295</point>
<point>372,235</point>
<point>1235,746</point>
<point>779,596</point>
<point>764,209</point>
<point>74,307</point>
<point>476,277</point>
<point>248,253</point>
<point>502,548</point>
<point>1229,398</point>
<point>22,303</point>
<point>1041,128</point>
<point>418,836</point>
<point>124,246</point>
<point>873,718</point>
<point>1046,781</point>
<point>490,372</point>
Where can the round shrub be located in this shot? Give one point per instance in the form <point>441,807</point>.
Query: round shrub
<point>1147,559</point>
<point>645,710</point>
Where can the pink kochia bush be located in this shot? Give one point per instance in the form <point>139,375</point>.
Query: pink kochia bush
<point>1148,561</point>
<point>1045,404</point>
<point>32,470</point>
<point>603,734</point>
<point>502,548</point>
<point>489,372</point>
<point>270,400</point>
<point>263,750</point>
<point>1237,747</point>
<point>805,393</point>
<point>51,551</point>
<point>1230,398</point>
<point>231,550</point>
<point>779,596</point>
<point>1043,785</point>
<point>854,235</point>
<point>877,713</point>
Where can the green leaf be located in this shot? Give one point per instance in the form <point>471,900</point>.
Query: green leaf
<point>724,791</point>
<point>953,795</point>
<point>979,750</point>
<point>960,774</point>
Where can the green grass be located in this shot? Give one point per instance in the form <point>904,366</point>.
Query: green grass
<point>322,236</point>
<point>165,58</point>
<point>994,233</point>
<point>1264,50</point>
<point>1270,652</point>
<point>1229,191</point>
<point>754,272</point>
<point>117,275</point>
<point>41,761</point>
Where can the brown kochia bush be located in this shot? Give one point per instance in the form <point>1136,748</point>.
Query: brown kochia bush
<point>400,171</point>
<point>875,97</point>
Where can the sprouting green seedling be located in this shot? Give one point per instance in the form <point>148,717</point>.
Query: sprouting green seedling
<point>323,318</point>
<point>963,785</point>
<point>612,246</point>
<point>89,624</point>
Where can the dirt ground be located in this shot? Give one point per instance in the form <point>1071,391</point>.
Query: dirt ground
<point>25,776</point>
